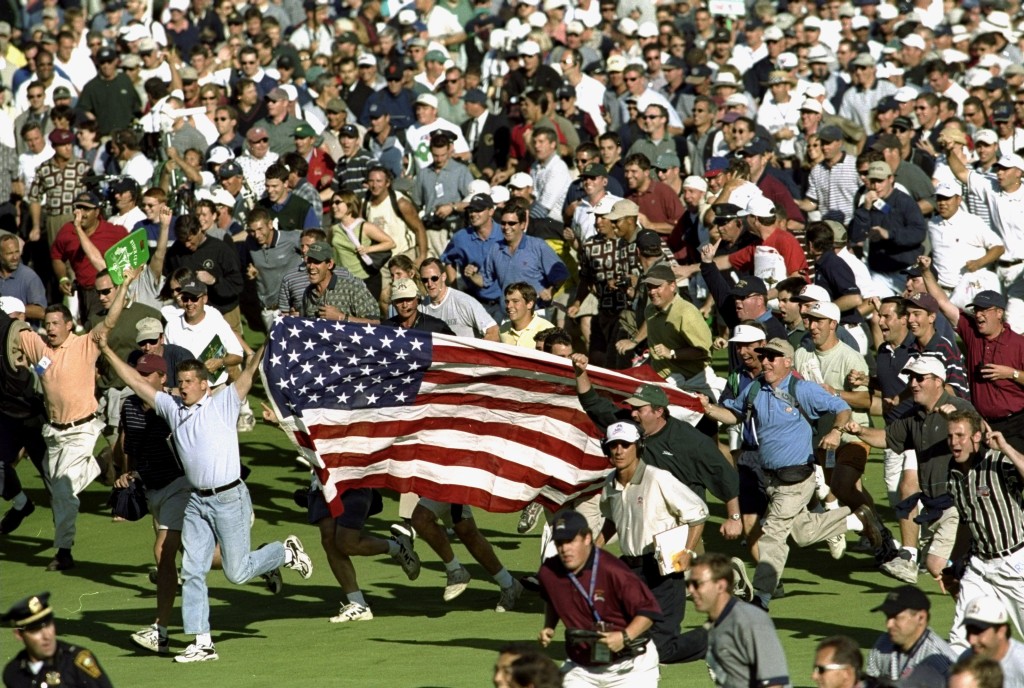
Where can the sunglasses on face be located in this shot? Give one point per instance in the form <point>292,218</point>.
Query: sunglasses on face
<point>770,357</point>
<point>261,141</point>
<point>917,377</point>
<point>430,280</point>
<point>104,292</point>
<point>149,342</point>
<point>189,298</point>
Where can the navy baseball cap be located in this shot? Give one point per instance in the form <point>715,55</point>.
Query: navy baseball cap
<point>567,525</point>
<point>988,299</point>
<point>748,285</point>
<point>229,169</point>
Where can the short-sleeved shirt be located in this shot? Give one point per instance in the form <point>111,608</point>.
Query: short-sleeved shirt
<point>533,262</point>
<point>198,336</point>
<point>24,284</point>
<point>67,247</point>
<point>348,294</point>
<point>926,432</point>
<point>679,326</point>
<point>147,444</point>
<point>524,337</point>
<point>831,367</point>
<point>652,502</point>
<point>744,649</point>
<point>890,662</point>
<point>994,399</point>
<point>624,597</point>
<point>68,376</point>
<point>205,436</point>
<point>659,203</point>
<point>467,247</point>
<point>834,274</point>
<point>461,312</point>
<point>783,242</point>
<point>55,187</point>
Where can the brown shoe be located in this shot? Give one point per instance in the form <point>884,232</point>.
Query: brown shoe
<point>61,563</point>
<point>872,530</point>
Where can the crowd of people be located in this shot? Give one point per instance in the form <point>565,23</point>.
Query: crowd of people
<point>828,193</point>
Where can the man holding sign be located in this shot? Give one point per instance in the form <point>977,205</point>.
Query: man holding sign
<point>641,503</point>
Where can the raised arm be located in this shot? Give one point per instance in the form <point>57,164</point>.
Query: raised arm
<point>120,297</point>
<point>156,261</point>
<point>131,377</point>
<point>951,312</point>
<point>88,248</point>
<point>244,382</point>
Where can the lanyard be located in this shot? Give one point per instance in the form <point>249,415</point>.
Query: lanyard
<point>593,581</point>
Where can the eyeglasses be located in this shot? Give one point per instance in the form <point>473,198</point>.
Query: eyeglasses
<point>221,119</point>
<point>248,62</point>
<point>631,79</point>
<point>694,584</point>
<point>770,357</point>
<point>652,116</point>
<point>209,98</point>
<point>917,377</point>
<point>862,173</point>
<point>175,290</point>
<point>508,224</point>
<point>430,280</point>
<point>455,80</point>
<point>149,342</point>
<point>104,292</point>
<point>188,298</point>
<point>822,668</point>
<point>314,261</point>
<point>900,130</point>
<point>336,201</point>
<point>264,140</point>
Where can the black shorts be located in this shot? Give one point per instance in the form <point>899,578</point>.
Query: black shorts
<point>356,505</point>
<point>753,498</point>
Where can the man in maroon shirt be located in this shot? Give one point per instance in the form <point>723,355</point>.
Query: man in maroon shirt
<point>660,207</point>
<point>67,250</point>
<point>588,590</point>
<point>993,357</point>
<point>756,153</point>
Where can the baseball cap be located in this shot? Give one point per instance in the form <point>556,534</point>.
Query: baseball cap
<point>813,292</point>
<point>948,190</point>
<point>901,598</point>
<point>320,251</point>
<point>863,60</point>
<point>811,105</point>
<point>648,395</point>
<point>529,48</point>
<point>1002,112</point>
<point>986,136</point>
<point>499,194</point>
<point>623,431</point>
<point>277,94</point>
<point>879,170</point>
<point>1011,160</point>
<point>567,524</point>
<point>475,95</point>
<point>759,206</point>
<point>666,161</point>
<point>404,289</point>
<point>746,334</point>
<point>988,299</point>
<point>349,131</point>
<point>151,363</point>
<point>698,74</point>
<point>366,60</point>
<point>648,243</point>
<point>193,286</point>
<point>303,131</point>
<point>624,208</point>
<point>336,105</point>
<point>435,56</point>
<point>776,345</point>
<point>87,199</point>
<point>188,73</point>
<point>229,169</point>
<point>61,137</point>
<point>716,166</point>
<point>222,196</point>
<point>106,54</point>
<point>823,310</point>
<point>659,274</point>
<point>480,201</point>
<point>830,133</point>
<point>925,365</point>
<point>913,41</point>
<point>748,285</point>
<point>521,180</point>
<point>11,305</point>
<point>986,612</point>
<point>594,169</point>
<point>925,302</point>
<point>393,72</point>
<point>427,99</point>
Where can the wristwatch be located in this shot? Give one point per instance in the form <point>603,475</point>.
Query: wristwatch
<point>734,517</point>
<point>1016,374</point>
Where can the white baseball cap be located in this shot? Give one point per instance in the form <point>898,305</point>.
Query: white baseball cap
<point>11,305</point>
<point>986,611</point>
<point>695,182</point>
<point>747,334</point>
<point>521,180</point>
<point>926,365</point>
<point>622,431</point>
<point>824,310</point>
<point>948,190</point>
<point>813,292</point>
<point>759,206</point>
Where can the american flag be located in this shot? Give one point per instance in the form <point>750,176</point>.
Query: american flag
<point>458,420</point>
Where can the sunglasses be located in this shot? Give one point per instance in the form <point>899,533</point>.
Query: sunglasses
<point>900,130</point>
<point>148,342</point>
<point>104,292</point>
<point>769,357</point>
<point>430,280</point>
<point>263,140</point>
<point>917,377</point>
<point>189,298</point>
<point>695,584</point>
<point>508,224</point>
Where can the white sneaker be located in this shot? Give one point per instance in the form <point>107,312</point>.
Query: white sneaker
<point>197,653</point>
<point>274,581</point>
<point>352,612</point>
<point>406,556</point>
<point>246,422</point>
<point>742,587</point>
<point>509,597</point>
<point>300,560</point>
<point>901,569</point>
<point>837,546</point>
<point>458,581</point>
<point>529,517</point>
<point>149,638</point>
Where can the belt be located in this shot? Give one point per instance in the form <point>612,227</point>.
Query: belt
<point>1005,552</point>
<point>215,490</point>
<point>488,302</point>
<point>635,562</point>
<point>72,424</point>
<point>1010,263</point>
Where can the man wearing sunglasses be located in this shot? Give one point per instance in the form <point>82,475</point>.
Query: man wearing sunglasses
<point>924,430</point>
<point>782,411</point>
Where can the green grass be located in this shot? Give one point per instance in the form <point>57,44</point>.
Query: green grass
<point>416,639</point>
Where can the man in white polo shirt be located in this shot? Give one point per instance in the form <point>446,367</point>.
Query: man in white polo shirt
<point>211,340</point>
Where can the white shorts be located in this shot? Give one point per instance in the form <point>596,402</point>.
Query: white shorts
<point>449,513</point>
<point>168,504</point>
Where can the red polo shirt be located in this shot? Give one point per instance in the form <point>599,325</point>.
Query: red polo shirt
<point>67,247</point>
<point>782,241</point>
<point>659,203</point>
<point>994,399</point>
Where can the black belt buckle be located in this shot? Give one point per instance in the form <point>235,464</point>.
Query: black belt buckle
<point>73,424</point>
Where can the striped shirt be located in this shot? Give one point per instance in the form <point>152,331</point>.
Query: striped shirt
<point>891,662</point>
<point>147,442</point>
<point>833,188</point>
<point>294,284</point>
<point>988,496</point>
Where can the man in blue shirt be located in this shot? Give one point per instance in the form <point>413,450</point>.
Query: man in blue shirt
<point>467,251</point>
<point>520,258</point>
<point>781,412</point>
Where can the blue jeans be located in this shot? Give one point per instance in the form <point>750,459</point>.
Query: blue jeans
<point>226,518</point>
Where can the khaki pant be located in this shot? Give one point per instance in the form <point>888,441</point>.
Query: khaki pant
<point>69,468</point>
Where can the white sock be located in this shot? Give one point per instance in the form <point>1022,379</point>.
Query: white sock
<point>204,640</point>
<point>831,506</point>
<point>288,556</point>
<point>393,547</point>
<point>452,565</point>
<point>853,523</point>
<point>20,500</point>
<point>503,578</point>
<point>912,551</point>
<point>357,598</point>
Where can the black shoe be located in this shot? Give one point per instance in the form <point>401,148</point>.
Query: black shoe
<point>760,604</point>
<point>13,518</point>
<point>301,497</point>
<point>530,583</point>
<point>61,562</point>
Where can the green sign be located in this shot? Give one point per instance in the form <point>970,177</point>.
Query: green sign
<point>130,252</point>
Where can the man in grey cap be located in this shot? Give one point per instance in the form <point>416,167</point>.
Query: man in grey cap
<point>280,122</point>
<point>867,89</point>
